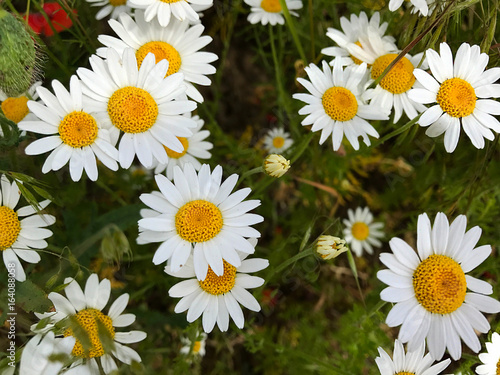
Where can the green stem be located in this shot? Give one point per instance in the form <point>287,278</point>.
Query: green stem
<point>311,30</point>
<point>277,71</point>
<point>291,261</point>
<point>293,31</point>
<point>249,173</point>
<point>400,130</point>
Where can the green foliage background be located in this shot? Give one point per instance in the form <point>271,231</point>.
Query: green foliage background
<point>314,318</point>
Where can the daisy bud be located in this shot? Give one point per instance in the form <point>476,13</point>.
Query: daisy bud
<point>18,56</point>
<point>329,247</point>
<point>276,165</point>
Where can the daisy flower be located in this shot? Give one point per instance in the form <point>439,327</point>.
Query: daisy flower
<point>335,106</point>
<point>269,11</point>
<point>410,363</point>
<point>75,135</point>
<point>19,237</point>
<point>85,309</point>
<point>352,30</point>
<point>361,232</point>
<point>195,147</point>
<point>218,297</point>
<point>429,288</point>
<point>277,141</point>
<point>197,348</point>
<point>110,7</point>
<point>421,6</point>
<point>490,359</point>
<point>16,108</point>
<point>140,104</point>
<point>197,214</point>
<point>163,10</point>
<point>461,90</point>
<point>392,91</point>
<point>330,247</point>
<point>35,358</point>
<point>178,43</point>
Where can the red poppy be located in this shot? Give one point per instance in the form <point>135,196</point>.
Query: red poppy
<point>57,17</point>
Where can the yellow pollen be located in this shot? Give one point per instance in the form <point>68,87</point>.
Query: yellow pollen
<point>15,109</point>
<point>339,103</point>
<point>171,1</point>
<point>132,109</point>
<point>271,6</point>
<point>399,79</point>
<point>11,227</point>
<point>498,367</point>
<point>216,285</point>
<point>355,60</point>
<point>198,221</point>
<point>456,97</point>
<point>404,373</point>
<point>161,50</point>
<point>117,3</point>
<point>278,142</point>
<point>87,319</point>
<point>196,347</point>
<point>439,284</point>
<point>177,155</point>
<point>78,129</point>
<point>360,231</point>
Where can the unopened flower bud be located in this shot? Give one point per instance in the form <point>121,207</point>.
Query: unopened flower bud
<point>276,165</point>
<point>329,247</point>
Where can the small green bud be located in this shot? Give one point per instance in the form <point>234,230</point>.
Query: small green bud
<point>18,56</point>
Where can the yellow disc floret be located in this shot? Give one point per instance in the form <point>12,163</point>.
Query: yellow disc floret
<point>15,109</point>
<point>177,155</point>
<point>439,284</point>
<point>161,50</point>
<point>216,285</point>
<point>117,3</point>
<point>196,347</point>
<point>360,231</point>
<point>11,227</point>
<point>78,129</point>
<point>271,6</point>
<point>88,321</point>
<point>171,1</point>
<point>404,373</point>
<point>198,221</point>
<point>456,97</point>
<point>399,79</point>
<point>278,142</point>
<point>132,109</point>
<point>498,367</point>
<point>339,103</point>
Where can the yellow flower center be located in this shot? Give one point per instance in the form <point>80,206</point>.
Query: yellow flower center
<point>216,285</point>
<point>404,373</point>
<point>11,227</point>
<point>278,142</point>
<point>196,347</point>
<point>78,129</point>
<point>271,6</point>
<point>177,155</point>
<point>15,109</point>
<point>117,3</point>
<point>132,109</point>
<point>161,50</point>
<point>90,321</point>
<point>456,97</point>
<point>355,60</point>
<point>198,221</point>
<point>439,284</point>
<point>171,1</point>
<point>498,367</point>
<point>399,79</point>
<point>360,231</point>
<point>339,103</point>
